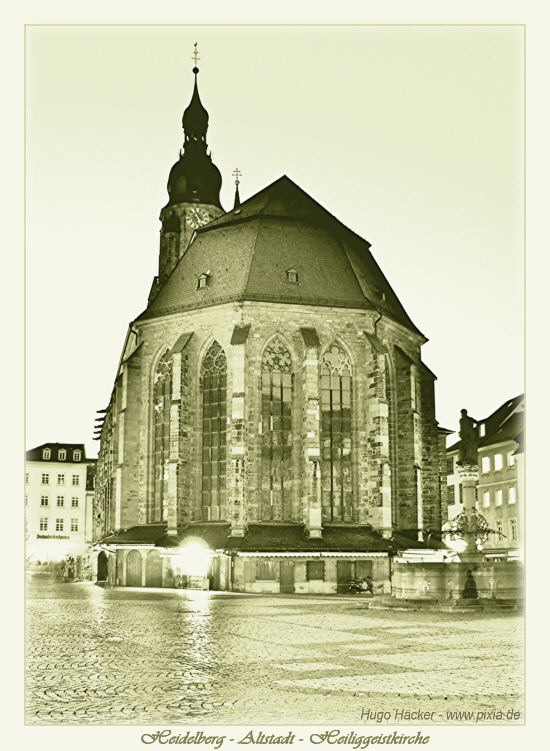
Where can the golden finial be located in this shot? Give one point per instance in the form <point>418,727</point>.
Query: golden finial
<point>236,174</point>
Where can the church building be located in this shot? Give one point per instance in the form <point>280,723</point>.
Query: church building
<point>272,425</point>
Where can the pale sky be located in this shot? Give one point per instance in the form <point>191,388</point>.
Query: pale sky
<point>411,136</point>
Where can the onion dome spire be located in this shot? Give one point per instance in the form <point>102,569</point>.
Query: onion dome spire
<point>194,178</point>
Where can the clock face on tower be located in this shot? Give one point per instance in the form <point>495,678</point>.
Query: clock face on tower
<point>196,217</point>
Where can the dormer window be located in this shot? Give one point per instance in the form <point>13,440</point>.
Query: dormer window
<point>46,454</point>
<point>292,276</point>
<point>202,281</point>
<point>62,455</point>
<point>76,455</point>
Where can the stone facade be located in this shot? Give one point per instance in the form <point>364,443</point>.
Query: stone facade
<point>381,489</point>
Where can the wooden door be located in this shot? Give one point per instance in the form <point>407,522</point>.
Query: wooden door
<point>153,569</point>
<point>133,569</point>
<point>363,569</point>
<point>102,568</point>
<point>343,576</point>
<point>287,576</point>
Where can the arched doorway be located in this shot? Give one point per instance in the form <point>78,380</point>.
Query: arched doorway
<point>102,568</point>
<point>153,569</point>
<point>133,569</point>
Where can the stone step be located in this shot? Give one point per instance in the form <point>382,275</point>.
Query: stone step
<point>456,605</point>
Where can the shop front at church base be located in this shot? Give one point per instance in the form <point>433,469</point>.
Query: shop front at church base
<point>269,558</point>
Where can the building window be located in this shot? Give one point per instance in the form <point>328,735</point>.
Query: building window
<point>77,455</point>
<point>481,429</point>
<point>450,495</point>
<point>43,524</point>
<point>292,276</point>
<point>45,479</point>
<point>74,525</point>
<point>202,281</point>
<point>510,458</point>
<point>450,465</point>
<point>213,383</point>
<point>60,500</point>
<point>499,528</point>
<point>498,462</point>
<point>59,525</point>
<point>162,395</point>
<point>485,464</point>
<point>486,499</point>
<point>276,427</point>
<point>61,479</point>
<point>511,494</point>
<point>498,498</point>
<point>414,388</point>
<point>266,570</point>
<point>74,502</point>
<point>513,524</point>
<point>43,500</point>
<point>27,478</point>
<point>76,479</point>
<point>61,455</point>
<point>315,571</point>
<point>336,435</point>
<point>46,454</point>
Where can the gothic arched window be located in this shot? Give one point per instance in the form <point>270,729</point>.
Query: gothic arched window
<point>336,433</point>
<point>276,431</point>
<point>214,431</point>
<point>162,395</point>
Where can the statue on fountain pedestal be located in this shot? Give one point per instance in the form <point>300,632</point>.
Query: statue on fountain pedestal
<point>469,440</point>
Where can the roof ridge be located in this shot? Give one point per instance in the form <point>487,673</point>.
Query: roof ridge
<point>258,219</point>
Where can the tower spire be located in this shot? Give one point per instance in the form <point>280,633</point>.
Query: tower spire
<point>236,174</point>
<point>194,178</point>
<point>195,117</point>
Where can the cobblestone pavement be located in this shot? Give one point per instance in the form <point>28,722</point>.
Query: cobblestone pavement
<point>143,656</point>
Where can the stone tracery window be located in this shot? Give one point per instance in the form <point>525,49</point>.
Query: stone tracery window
<point>162,395</point>
<point>276,413</point>
<point>336,435</point>
<point>214,432</point>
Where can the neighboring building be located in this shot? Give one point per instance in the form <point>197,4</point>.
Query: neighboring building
<point>58,500</point>
<point>270,407</point>
<point>500,491</point>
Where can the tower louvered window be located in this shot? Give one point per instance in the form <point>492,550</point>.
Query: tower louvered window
<point>276,431</point>
<point>214,432</point>
<point>336,435</point>
<point>162,394</point>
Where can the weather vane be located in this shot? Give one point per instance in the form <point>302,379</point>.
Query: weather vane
<point>236,174</point>
<point>196,57</point>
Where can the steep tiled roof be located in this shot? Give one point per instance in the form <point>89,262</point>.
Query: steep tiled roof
<point>247,251</point>
<point>504,424</point>
<point>35,454</point>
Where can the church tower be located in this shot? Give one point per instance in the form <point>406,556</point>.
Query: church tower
<point>194,187</point>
